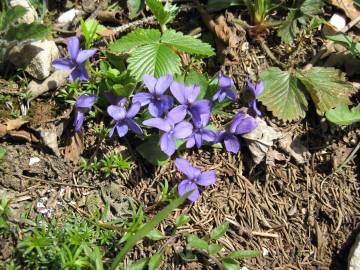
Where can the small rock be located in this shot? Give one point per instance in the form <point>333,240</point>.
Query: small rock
<point>336,23</point>
<point>68,16</point>
<point>36,57</point>
<point>354,255</point>
<point>30,15</point>
<point>295,148</point>
<point>34,160</point>
<point>260,140</point>
<point>265,251</point>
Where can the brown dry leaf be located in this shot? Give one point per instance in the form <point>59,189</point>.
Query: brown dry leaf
<point>12,124</point>
<point>260,140</point>
<point>295,148</point>
<point>350,9</point>
<point>74,147</point>
<point>22,135</point>
<point>49,138</point>
<point>107,33</point>
<point>2,130</point>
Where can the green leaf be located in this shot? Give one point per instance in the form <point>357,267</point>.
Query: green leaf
<point>230,264</point>
<point>134,39</point>
<point>282,95</point>
<point>357,2</point>
<point>288,28</point>
<point>342,115</point>
<point>155,261</point>
<point>243,254</point>
<point>327,86</point>
<point>195,77</point>
<point>3,153</point>
<point>180,220</point>
<point>11,15</point>
<point>187,43</point>
<point>25,31</point>
<point>155,221</point>
<point>155,235</point>
<point>154,59</point>
<point>195,242</point>
<point>150,150</point>
<point>135,7</point>
<point>163,14</point>
<point>214,248</point>
<point>219,231</point>
<point>138,265</point>
<point>94,28</point>
<point>311,7</point>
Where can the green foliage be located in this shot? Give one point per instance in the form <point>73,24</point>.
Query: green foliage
<point>219,231</point>
<point>342,115</point>
<point>154,53</point>
<point>213,249</point>
<point>150,150</point>
<point>300,13</point>
<point>9,17</point>
<point>284,91</point>
<point>91,28</point>
<point>164,14</point>
<point>25,31</point>
<point>182,220</point>
<point>113,161</point>
<point>135,7</point>
<point>353,47</point>
<point>2,154</point>
<point>215,5</point>
<point>140,234</point>
<point>155,261</point>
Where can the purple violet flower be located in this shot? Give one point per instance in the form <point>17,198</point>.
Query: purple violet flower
<point>225,84</point>
<point>76,63</point>
<point>158,102</point>
<point>83,105</point>
<point>201,133</point>
<point>123,120</point>
<point>241,124</point>
<point>174,128</point>
<point>186,96</point>
<point>254,92</point>
<point>114,99</point>
<point>194,178</point>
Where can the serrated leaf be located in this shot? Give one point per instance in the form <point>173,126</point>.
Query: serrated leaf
<point>155,261</point>
<point>219,231</point>
<point>163,14</point>
<point>311,7</point>
<point>150,150</point>
<point>195,242</point>
<point>282,95</point>
<point>134,7</point>
<point>135,39</point>
<point>243,254</point>
<point>25,31</point>
<point>342,115</point>
<point>155,235</point>
<point>230,264</point>
<point>327,86</point>
<point>288,28</point>
<point>186,43</point>
<point>154,59</point>
<point>214,248</point>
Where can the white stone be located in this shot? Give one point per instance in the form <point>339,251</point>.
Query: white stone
<point>68,16</point>
<point>337,21</point>
<point>34,160</point>
<point>265,252</point>
<point>36,57</point>
<point>30,15</point>
<point>354,255</point>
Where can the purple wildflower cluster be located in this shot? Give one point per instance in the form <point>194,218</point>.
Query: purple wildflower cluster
<point>176,111</point>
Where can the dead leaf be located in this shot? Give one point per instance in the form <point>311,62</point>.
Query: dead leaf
<point>273,155</point>
<point>295,148</point>
<point>260,140</point>
<point>74,147</point>
<point>22,135</point>
<point>12,124</point>
<point>350,9</point>
<point>107,33</point>
<point>2,130</point>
